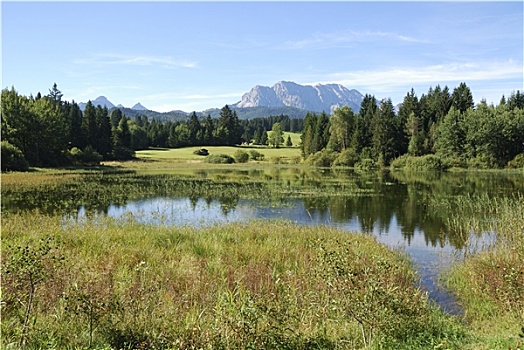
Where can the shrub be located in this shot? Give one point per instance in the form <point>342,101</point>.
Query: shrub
<point>424,163</point>
<point>324,158</point>
<point>277,160</point>
<point>123,153</point>
<point>201,152</point>
<point>347,157</point>
<point>366,164</point>
<point>88,156</point>
<point>517,162</point>
<point>219,159</point>
<point>12,158</point>
<point>241,156</point>
<point>256,155</point>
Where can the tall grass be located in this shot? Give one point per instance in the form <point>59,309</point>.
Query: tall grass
<point>266,285</point>
<point>490,284</point>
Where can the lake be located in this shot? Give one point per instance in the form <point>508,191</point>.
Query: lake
<point>416,213</point>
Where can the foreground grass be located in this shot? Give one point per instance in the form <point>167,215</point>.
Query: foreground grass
<point>274,285</point>
<point>490,284</point>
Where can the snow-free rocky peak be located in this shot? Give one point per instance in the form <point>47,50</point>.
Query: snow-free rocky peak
<point>139,107</point>
<point>318,97</point>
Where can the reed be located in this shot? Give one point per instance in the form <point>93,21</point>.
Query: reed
<point>490,283</point>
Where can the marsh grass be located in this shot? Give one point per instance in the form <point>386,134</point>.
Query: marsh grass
<point>490,283</point>
<point>68,192</point>
<point>265,284</point>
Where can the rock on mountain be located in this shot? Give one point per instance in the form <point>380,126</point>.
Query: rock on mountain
<point>318,97</point>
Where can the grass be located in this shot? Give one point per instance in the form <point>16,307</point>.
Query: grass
<point>266,284</point>
<point>187,153</point>
<point>490,283</point>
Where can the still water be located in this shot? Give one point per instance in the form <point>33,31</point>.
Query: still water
<point>405,212</point>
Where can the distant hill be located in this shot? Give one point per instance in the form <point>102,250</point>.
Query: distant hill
<point>315,98</point>
<point>285,97</point>
<point>99,101</point>
<point>139,107</point>
<point>257,112</point>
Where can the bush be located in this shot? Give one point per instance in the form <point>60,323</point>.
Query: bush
<point>241,156</point>
<point>201,152</point>
<point>12,158</point>
<point>86,157</point>
<point>424,163</point>
<point>219,159</point>
<point>256,155</point>
<point>347,157</point>
<point>517,162</point>
<point>366,164</point>
<point>123,153</point>
<point>324,158</point>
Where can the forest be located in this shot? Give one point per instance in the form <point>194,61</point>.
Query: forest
<point>442,128</point>
<point>441,124</point>
<point>47,131</point>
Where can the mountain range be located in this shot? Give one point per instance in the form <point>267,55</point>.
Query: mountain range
<point>317,98</point>
<point>104,102</point>
<point>285,97</point>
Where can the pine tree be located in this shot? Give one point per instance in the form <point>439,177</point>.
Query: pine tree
<point>89,126</point>
<point>384,133</point>
<point>193,125</point>
<point>462,99</point>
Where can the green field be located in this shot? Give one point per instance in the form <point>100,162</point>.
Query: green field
<point>285,154</point>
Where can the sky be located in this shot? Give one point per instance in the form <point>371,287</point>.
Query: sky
<point>192,56</point>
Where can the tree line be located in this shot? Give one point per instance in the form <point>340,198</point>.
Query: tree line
<point>48,131</point>
<point>443,123</point>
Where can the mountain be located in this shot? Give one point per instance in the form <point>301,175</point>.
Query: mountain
<point>100,100</point>
<point>103,101</point>
<point>139,107</point>
<point>317,98</point>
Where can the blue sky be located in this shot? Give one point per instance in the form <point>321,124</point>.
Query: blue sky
<point>198,55</point>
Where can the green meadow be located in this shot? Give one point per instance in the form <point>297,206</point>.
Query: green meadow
<point>105,283</point>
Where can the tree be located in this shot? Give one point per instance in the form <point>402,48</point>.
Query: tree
<point>115,116</point>
<point>89,126</point>
<point>289,143</point>
<point>307,137</point>
<point>411,125</point>
<point>321,137</point>
<point>104,144</point>
<point>139,138</point>
<point>228,131</point>
<point>362,135</point>
<point>342,126</point>
<point>382,126</point>
<point>451,136</point>
<point>276,138</point>
<point>55,94</point>
<point>76,135</point>
<point>462,99</point>
<point>193,125</point>
<point>264,138</point>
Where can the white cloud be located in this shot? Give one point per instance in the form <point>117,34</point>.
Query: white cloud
<point>137,60</point>
<point>383,80</point>
<point>327,40</point>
